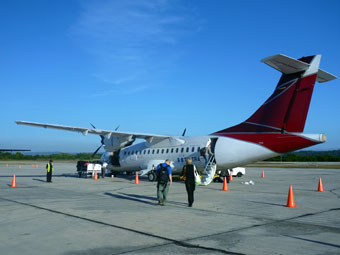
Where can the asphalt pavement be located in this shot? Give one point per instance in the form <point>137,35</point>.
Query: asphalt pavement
<point>75,215</point>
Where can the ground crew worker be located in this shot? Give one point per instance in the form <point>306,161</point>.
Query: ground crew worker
<point>50,169</point>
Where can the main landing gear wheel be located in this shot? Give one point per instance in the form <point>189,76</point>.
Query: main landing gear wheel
<point>152,176</point>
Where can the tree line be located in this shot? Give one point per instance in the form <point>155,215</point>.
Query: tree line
<point>56,156</point>
<point>309,156</point>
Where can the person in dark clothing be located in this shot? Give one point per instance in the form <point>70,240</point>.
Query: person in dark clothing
<point>50,169</point>
<point>189,178</point>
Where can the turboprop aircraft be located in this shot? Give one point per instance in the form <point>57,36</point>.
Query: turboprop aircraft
<point>275,128</point>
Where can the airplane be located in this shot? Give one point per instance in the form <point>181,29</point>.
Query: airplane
<point>275,128</point>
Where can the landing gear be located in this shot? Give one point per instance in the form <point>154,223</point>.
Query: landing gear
<point>152,176</point>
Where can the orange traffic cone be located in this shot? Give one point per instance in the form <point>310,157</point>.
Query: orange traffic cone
<point>37,166</point>
<point>137,179</point>
<point>32,165</point>
<point>225,185</point>
<point>320,188</point>
<point>6,165</point>
<point>290,202</point>
<point>231,176</point>
<point>14,182</point>
<point>95,175</point>
<point>19,166</point>
<point>262,176</point>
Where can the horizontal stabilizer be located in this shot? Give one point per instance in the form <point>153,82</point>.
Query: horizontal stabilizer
<point>288,65</point>
<point>324,76</point>
<point>284,64</point>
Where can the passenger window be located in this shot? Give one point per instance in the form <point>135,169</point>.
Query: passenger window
<point>157,151</point>
<point>144,152</point>
<point>153,151</point>
<point>176,150</point>
<point>182,149</point>
<point>193,149</point>
<point>148,151</point>
<point>167,150</point>
<point>198,149</point>
<point>187,149</point>
<point>162,151</point>
<point>172,150</point>
<point>124,152</point>
<point>128,153</point>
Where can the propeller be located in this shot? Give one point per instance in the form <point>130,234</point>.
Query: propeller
<point>185,130</point>
<point>101,141</point>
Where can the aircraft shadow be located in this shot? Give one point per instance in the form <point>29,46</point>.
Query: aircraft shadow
<point>313,241</point>
<point>151,198</point>
<point>266,203</point>
<point>23,176</point>
<point>129,198</point>
<point>39,180</point>
<point>141,199</point>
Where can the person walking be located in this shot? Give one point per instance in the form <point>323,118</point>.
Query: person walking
<point>164,181</point>
<point>188,175</point>
<point>207,154</point>
<point>50,169</point>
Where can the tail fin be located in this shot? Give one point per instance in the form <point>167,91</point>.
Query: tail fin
<point>286,109</point>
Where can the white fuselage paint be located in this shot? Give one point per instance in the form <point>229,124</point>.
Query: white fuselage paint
<point>228,153</point>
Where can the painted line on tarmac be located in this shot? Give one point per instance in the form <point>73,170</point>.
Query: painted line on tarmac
<point>176,242</point>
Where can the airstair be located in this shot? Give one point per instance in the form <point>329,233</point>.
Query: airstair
<point>209,172</point>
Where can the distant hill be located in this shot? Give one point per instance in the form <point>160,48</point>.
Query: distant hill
<point>48,155</point>
<point>335,153</point>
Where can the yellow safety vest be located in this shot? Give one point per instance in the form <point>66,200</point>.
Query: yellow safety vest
<point>49,167</point>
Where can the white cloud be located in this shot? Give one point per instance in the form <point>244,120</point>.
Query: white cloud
<point>127,38</point>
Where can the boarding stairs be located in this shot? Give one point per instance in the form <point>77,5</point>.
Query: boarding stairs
<point>209,172</point>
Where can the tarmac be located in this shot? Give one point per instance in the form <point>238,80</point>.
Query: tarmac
<point>77,216</point>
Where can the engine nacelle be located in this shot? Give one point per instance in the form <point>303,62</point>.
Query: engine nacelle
<point>115,143</point>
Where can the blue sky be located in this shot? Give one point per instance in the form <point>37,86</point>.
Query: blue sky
<point>155,66</point>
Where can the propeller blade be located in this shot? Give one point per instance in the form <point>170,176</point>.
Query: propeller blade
<point>185,130</point>
<point>117,127</point>
<point>92,125</point>
<point>94,153</point>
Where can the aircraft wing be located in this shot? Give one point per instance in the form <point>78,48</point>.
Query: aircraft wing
<point>151,138</point>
